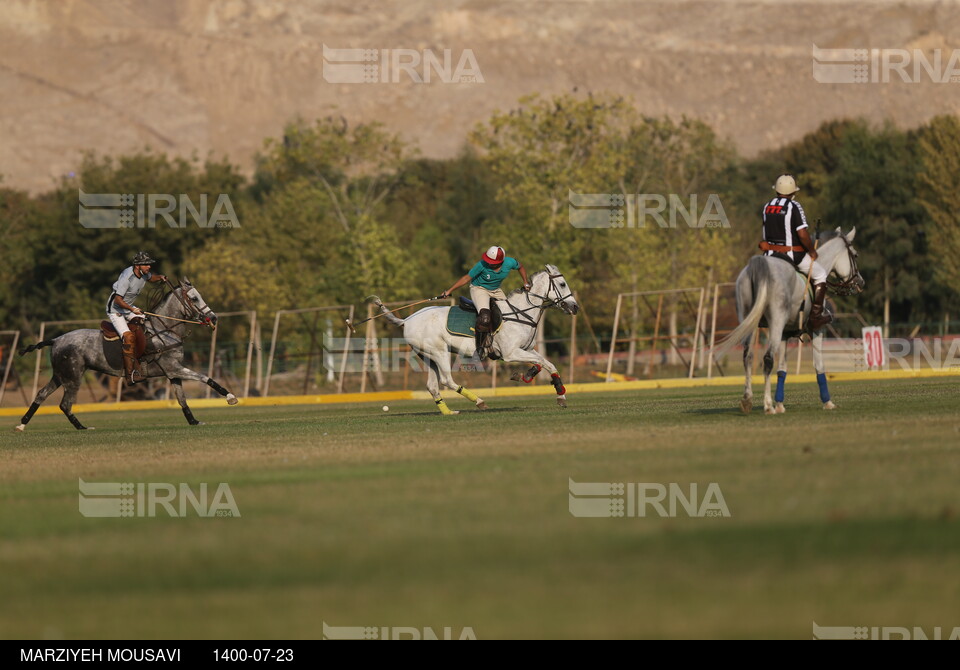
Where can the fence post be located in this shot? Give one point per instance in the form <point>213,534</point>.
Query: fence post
<point>613,340</point>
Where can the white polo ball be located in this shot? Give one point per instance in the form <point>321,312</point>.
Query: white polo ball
<point>386,409</point>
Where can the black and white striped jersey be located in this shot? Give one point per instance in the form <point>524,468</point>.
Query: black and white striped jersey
<point>782,219</point>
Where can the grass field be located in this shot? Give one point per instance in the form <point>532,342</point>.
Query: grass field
<point>357,517</point>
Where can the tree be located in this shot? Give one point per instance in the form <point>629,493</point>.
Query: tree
<point>539,153</point>
<point>873,189</point>
<point>940,180</point>
<point>348,172</point>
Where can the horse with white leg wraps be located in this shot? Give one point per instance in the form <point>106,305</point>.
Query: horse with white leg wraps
<point>771,291</point>
<point>427,334</point>
<point>85,349</point>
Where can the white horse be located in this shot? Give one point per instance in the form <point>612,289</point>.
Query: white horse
<point>426,333</point>
<point>770,288</point>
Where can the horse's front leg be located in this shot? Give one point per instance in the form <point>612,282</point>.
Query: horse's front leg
<point>821,371</point>
<point>182,399</point>
<point>185,373</point>
<point>538,363</point>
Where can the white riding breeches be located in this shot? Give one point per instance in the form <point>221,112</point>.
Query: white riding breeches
<point>481,296</point>
<point>119,323</point>
<point>809,267</point>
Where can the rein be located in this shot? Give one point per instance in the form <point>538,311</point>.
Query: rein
<point>521,316</point>
<point>157,334</point>
<point>852,284</point>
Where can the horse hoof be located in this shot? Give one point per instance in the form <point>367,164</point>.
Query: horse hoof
<point>515,377</point>
<point>780,409</point>
<point>829,405</point>
<point>232,399</point>
<point>769,410</point>
<point>481,404</point>
<point>452,412</point>
<point>746,405</point>
<point>198,423</point>
<point>19,428</point>
<point>562,401</point>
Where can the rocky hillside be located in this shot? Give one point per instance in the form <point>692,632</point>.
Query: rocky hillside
<point>197,76</point>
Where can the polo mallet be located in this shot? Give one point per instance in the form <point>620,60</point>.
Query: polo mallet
<point>197,323</point>
<point>352,326</point>
<point>806,284</point>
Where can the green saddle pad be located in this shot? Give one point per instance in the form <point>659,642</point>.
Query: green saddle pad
<point>460,322</point>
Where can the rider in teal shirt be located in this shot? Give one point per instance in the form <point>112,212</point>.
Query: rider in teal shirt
<point>485,279</point>
<point>490,277</point>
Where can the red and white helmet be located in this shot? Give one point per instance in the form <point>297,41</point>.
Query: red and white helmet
<point>494,256</point>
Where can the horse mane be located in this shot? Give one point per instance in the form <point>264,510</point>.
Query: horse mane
<point>165,299</point>
<point>519,289</point>
<point>828,235</point>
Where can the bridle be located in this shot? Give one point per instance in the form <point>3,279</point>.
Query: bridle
<point>853,284</point>
<point>191,310</point>
<point>521,316</point>
<point>201,313</point>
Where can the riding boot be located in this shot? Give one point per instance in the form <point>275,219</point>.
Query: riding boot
<point>819,318</point>
<point>131,366</point>
<point>483,333</point>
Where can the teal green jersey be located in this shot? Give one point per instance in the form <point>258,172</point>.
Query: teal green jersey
<point>486,277</point>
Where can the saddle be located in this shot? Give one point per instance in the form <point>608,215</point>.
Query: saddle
<point>808,295</point>
<point>462,322</point>
<point>109,334</point>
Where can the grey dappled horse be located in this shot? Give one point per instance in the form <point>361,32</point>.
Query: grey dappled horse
<point>79,350</point>
<point>770,288</point>
<point>426,333</point>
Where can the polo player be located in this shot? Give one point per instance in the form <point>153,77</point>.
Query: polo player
<point>786,234</point>
<point>121,310</point>
<point>485,279</point>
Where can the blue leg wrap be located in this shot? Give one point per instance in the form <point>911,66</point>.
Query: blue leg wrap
<point>781,378</point>
<point>822,383</point>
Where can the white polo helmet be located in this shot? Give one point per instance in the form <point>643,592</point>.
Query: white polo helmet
<point>786,185</point>
<point>493,256</point>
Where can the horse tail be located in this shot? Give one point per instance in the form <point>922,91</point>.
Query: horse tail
<point>391,317</point>
<point>758,274</point>
<point>34,347</point>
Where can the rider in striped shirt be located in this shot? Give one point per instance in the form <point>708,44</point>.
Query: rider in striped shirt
<point>786,234</point>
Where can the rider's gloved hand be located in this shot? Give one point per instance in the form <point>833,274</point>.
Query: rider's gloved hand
<point>526,287</point>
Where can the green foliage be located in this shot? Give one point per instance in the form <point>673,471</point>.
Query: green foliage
<point>19,238</point>
<point>873,188</point>
<point>340,176</point>
<point>335,212</point>
<point>940,183</point>
<point>538,154</point>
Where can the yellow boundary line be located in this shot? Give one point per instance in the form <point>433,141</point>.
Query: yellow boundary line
<point>500,392</point>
